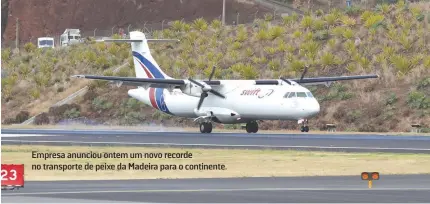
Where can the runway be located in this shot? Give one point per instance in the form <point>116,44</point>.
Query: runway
<point>351,189</point>
<point>318,142</point>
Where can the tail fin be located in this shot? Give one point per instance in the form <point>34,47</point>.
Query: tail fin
<point>144,64</point>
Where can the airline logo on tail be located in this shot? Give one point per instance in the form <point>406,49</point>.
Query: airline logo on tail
<point>149,68</point>
<point>156,95</point>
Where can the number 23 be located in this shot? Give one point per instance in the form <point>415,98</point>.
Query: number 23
<point>4,173</point>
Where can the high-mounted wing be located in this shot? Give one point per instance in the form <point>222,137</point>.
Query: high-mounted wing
<point>327,80</point>
<point>132,81</point>
<point>331,79</point>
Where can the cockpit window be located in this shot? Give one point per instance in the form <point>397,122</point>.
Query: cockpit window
<point>301,94</point>
<point>286,95</point>
<point>309,94</point>
<point>292,94</point>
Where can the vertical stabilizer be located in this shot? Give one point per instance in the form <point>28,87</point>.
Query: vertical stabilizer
<point>144,64</point>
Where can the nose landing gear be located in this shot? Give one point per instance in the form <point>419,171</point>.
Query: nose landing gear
<point>304,127</point>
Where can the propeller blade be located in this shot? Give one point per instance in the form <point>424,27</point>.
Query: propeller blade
<point>286,80</point>
<point>202,97</point>
<point>217,93</point>
<point>304,72</point>
<point>196,82</point>
<point>212,73</point>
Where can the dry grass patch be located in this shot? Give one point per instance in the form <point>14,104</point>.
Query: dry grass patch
<point>238,163</point>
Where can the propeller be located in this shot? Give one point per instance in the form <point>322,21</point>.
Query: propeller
<point>206,88</point>
<point>301,78</point>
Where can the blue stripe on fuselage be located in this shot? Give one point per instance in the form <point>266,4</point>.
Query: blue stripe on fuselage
<point>154,71</point>
<point>159,98</point>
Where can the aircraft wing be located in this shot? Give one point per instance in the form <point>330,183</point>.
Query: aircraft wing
<point>132,81</point>
<point>328,80</point>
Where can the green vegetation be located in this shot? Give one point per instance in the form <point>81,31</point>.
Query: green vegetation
<point>391,40</point>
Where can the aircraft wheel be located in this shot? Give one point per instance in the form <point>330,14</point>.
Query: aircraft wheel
<point>306,128</point>
<point>206,127</point>
<point>252,127</point>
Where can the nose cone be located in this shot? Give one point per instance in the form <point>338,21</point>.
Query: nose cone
<point>314,108</point>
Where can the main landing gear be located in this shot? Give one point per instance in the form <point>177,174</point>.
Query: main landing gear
<point>252,127</point>
<point>206,127</point>
<point>305,127</point>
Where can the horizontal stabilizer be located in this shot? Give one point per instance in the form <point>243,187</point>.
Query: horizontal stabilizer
<point>140,40</point>
<point>122,40</point>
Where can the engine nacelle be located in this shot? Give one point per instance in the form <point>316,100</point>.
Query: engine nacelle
<point>191,89</point>
<point>223,115</point>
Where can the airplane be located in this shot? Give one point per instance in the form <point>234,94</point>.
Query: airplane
<point>219,101</point>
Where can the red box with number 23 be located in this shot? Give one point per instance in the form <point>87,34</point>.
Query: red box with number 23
<point>12,175</point>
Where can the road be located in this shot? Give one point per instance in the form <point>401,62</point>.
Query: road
<point>351,189</point>
<point>319,142</point>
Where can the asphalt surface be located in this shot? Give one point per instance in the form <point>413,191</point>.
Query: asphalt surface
<point>304,141</point>
<point>351,189</point>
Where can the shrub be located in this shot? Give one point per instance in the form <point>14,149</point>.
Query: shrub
<point>347,21</point>
<point>200,24</point>
<point>327,59</point>
<point>274,65</point>
<point>247,71</point>
<point>5,55</point>
<point>275,32</point>
<point>318,25</point>
<point>348,33</point>
<point>177,26</point>
<point>242,35</point>
<point>102,62</point>
<point>418,100</point>
<point>392,99</point>
<point>72,113</point>
<point>268,17</point>
<point>60,89</point>
<point>216,24</point>
<point>29,47</point>
<point>403,64</point>
<point>373,20</point>
<point>263,35</point>
<point>41,119</point>
<point>331,19</point>
<point>101,104</point>
<point>22,116</point>
<point>424,84</point>
<point>307,22</point>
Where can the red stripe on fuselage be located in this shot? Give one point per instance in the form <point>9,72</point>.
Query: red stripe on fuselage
<point>146,70</point>
<point>152,97</point>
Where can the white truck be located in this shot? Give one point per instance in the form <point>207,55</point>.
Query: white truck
<point>44,42</point>
<point>70,36</point>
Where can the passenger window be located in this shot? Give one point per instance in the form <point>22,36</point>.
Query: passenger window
<point>286,95</point>
<point>292,94</point>
<point>309,94</point>
<point>301,94</point>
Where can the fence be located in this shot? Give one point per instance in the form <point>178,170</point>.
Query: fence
<point>231,19</point>
<point>147,27</point>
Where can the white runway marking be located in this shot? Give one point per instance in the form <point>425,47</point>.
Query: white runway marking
<point>221,190</point>
<point>222,145</point>
<point>24,135</point>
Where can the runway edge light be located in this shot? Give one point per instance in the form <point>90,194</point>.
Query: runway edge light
<point>375,175</point>
<point>365,176</point>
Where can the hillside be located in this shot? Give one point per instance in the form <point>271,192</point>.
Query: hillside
<point>50,17</point>
<point>391,41</point>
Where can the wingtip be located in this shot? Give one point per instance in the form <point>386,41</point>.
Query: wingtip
<point>78,76</point>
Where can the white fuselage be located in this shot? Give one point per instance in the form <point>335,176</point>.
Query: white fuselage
<point>244,102</point>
